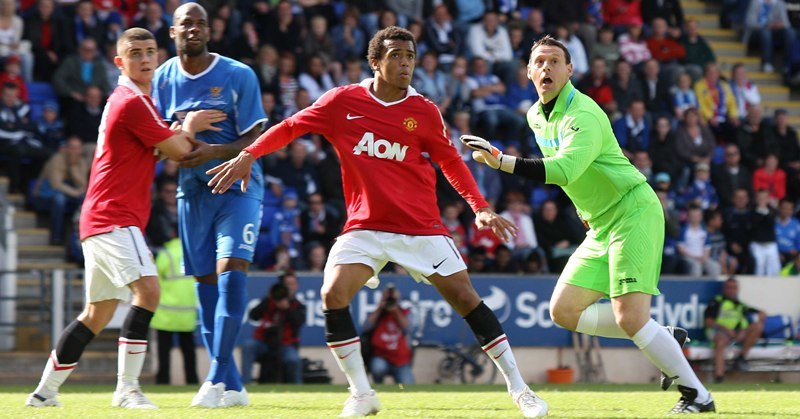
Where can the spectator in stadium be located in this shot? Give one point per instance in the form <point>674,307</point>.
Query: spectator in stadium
<point>432,82</point>
<point>580,60</point>
<point>667,50</point>
<point>219,42</point>
<point>727,321</point>
<point>349,39</point>
<point>606,48</point>
<point>296,171</point>
<point>50,129</point>
<point>694,247</point>
<point>488,181</point>
<point>12,74</point>
<point>601,266</point>
<point>669,10</point>
<point>521,94</point>
<point>11,43</point>
<point>744,90</point>
<point>378,206</point>
<point>533,31</point>
<point>656,84</point>
<point>683,96</point>
<point>700,191</point>
<point>789,147</point>
<point>489,40</point>
<point>731,175</point>
<point>458,86</point>
<point>737,225</point>
<point>625,85</point>
<point>478,260</point>
<point>47,32</point>
<point>176,315</point>
<point>61,187</point>
<point>319,222</point>
<point>597,86</point>
<point>771,178</point>
<point>557,235</point>
<point>112,71</point>
<point>671,262</point>
<point>163,224</point>
<point>319,41</point>
<point>153,20</point>
<point>387,329</point>
<point>573,15</point>
<point>717,103</point>
<point>86,24</point>
<point>22,153</point>
<point>113,216</point>
<point>316,256</point>
<point>275,343</point>
<point>644,164</point>
<point>622,14</point>
<point>763,246</point>
<point>633,46</point>
<point>718,243</point>
<point>353,72</point>
<point>503,262</point>
<point>316,79</point>
<point>518,211</point>
<point>287,83</point>
<point>246,47</point>
<point>492,118</point>
<point>79,71</point>
<point>768,22</point>
<point>787,232</point>
<point>633,129</point>
<point>83,119</point>
<point>754,138</point>
<point>443,37</point>
<point>663,149</point>
<point>694,141</point>
<point>698,52</point>
<point>283,29</point>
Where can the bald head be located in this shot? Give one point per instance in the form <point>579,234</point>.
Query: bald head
<point>185,8</point>
<point>190,30</point>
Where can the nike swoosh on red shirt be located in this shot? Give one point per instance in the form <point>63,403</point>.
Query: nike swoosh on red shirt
<point>136,353</point>
<point>500,354</point>
<point>347,354</point>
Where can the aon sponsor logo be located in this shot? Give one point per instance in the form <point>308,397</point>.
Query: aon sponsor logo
<point>380,148</point>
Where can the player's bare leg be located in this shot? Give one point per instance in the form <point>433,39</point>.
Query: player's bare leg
<point>64,357</point>
<point>458,291</point>
<point>340,285</point>
<point>132,347</point>
<point>628,316</point>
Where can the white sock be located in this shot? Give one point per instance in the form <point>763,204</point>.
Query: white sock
<point>598,320</point>
<point>347,354</point>
<point>663,350</point>
<point>499,351</point>
<point>130,359</point>
<point>53,376</point>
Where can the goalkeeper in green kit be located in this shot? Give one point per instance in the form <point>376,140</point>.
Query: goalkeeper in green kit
<point>621,255</point>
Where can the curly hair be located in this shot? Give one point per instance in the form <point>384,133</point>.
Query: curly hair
<point>377,48</point>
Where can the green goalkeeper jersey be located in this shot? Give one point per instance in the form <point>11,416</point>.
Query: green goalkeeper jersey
<point>581,153</point>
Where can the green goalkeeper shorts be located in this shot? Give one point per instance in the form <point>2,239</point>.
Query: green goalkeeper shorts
<point>622,250</point>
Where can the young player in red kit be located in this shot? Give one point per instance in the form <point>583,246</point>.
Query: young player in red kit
<point>380,129</point>
<point>114,214</point>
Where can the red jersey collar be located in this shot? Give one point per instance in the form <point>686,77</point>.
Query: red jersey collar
<point>366,83</point>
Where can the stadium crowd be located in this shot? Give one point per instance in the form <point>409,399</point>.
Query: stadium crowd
<point>727,174</point>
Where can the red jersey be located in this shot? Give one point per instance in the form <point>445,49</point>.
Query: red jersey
<point>124,162</point>
<point>389,184</point>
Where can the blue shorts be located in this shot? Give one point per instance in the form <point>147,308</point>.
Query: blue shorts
<point>214,227</point>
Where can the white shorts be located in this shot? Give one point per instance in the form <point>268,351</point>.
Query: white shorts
<point>421,256</point>
<point>113,261</point>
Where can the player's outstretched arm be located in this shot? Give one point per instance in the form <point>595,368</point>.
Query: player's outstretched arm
<point>501,227</point>
<point>485,152</point>
<point>204,152</point>
<point>204,120</point>
<point>226,174</point>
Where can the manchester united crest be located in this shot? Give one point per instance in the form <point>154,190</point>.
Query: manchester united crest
<point>410,124</point>
<point>215,91</point>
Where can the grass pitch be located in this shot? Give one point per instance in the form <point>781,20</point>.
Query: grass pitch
<point>419,401</point>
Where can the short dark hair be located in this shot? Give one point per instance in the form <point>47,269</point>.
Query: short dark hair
<point>133,34</point>
<point>548,40</point>
<point>377,48</point>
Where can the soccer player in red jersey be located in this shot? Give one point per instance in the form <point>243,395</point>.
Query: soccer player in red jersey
<point>114,214</point>
<point>380,129</point>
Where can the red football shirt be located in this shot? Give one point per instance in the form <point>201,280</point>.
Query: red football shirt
<point>389,185</point>
<point>124,162</point>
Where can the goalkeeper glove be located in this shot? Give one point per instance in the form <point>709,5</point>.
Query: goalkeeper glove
<point>485,152</point>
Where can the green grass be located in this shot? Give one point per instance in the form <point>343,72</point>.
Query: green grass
<point>421,401</point>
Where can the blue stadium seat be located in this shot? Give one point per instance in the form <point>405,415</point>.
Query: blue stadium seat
<point>40,92</point>
<point>267,215</point>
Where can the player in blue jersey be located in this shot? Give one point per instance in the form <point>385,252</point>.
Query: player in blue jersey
<point>218,232</point>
